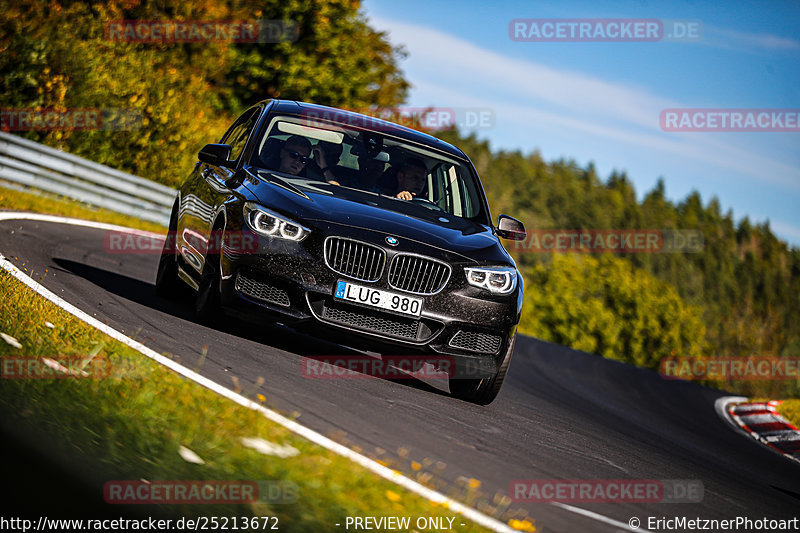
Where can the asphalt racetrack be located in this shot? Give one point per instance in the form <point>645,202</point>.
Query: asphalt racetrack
<point>562,414</point>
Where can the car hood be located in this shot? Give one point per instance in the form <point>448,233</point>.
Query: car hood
<point>309,201</point>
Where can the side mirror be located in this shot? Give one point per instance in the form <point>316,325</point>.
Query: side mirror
<point>215,154</point>
<point>510,228</point>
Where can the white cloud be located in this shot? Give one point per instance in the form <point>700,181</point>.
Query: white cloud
<point>527,94</point>
<point>747,42</point>
<point>467,65</point>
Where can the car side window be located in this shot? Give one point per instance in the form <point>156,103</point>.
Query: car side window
<point>451,192</point>
<point>238,134</point>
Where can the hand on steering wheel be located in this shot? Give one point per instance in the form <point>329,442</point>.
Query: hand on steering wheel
<point>405,195</point>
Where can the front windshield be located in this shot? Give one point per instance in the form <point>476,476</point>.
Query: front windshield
<point>308,156</point>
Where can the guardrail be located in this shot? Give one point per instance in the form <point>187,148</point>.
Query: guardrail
<point>32,165</point>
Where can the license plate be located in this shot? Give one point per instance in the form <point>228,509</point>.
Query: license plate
<point>380,299</point>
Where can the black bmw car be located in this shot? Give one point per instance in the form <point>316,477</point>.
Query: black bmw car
<point>317,217</point>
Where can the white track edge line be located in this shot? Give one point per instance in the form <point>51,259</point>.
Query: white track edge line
<point>317,438</point>
<point>600,518</point>
<point>721,407</point>
<point>21,215</point>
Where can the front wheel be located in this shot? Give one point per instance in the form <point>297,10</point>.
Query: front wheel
<point>167,283</point>
<point>207,307</point>
<point>483,391</point>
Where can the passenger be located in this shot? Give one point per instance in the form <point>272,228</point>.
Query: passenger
<point>326,155</point>
<point>293,155</point>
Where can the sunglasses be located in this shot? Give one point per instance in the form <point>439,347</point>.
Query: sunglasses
<point>296,156</point>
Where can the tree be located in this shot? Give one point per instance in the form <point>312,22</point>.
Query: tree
<point>605,306</point>
<point>183,95</point>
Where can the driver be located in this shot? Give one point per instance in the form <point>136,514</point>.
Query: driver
<point>411,178</point>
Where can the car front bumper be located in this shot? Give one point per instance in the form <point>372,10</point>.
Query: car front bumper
<point>291,283</point>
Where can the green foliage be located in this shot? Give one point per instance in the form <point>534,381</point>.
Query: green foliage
<point>338,60</point>
<point>606,306</point>
<point>745,280</point>
<point>790,410</point>
<point>57,56</point>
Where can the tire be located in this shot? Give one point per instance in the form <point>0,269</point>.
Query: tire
<point>483,391</point>
<point>168,285</point>
<point>207,308</point>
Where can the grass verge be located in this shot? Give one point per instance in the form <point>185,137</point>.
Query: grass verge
<point>24,201</point>
<point>133,416</point>
<point>790,410</point>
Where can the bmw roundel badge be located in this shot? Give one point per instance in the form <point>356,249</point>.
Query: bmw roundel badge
<point>391,241</point>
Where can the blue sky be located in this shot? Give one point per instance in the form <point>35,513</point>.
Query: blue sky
<point>600,102</point>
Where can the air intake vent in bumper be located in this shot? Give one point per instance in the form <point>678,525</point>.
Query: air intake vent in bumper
<point>476,342</point>
<point>371,321</point>
<point>261,291</point>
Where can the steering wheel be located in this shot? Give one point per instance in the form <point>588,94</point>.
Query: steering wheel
<point>424,202</point>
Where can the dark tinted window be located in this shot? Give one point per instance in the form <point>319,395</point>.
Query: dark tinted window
<point>374,163</point>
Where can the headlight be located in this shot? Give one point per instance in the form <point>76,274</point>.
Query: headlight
<point>499,280</point>
<point>269,224</point>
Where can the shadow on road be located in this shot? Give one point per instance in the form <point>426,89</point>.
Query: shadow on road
<point>276,336</point>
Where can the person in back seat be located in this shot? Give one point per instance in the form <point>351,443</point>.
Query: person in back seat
<point>370,171</point>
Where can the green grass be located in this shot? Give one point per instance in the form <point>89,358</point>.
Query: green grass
<point>790,410</point>
<point>131,424</point>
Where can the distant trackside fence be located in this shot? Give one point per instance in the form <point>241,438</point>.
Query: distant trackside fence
<point>29,165</point>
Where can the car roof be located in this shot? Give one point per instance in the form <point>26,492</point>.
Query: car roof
<point>350,118</point>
